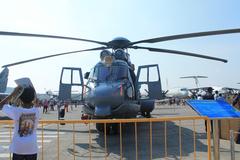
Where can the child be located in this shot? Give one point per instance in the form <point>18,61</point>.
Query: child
<point>26,117</point>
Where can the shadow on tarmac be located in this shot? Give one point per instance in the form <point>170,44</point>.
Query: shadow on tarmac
<point>143,142</point>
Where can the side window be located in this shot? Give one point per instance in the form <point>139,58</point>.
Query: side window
<point>153,74</point>
<point>92,75</point>
<point>143,75</point>
<point>76,77</point>
<point>91,81</point>
<point>66,76</point>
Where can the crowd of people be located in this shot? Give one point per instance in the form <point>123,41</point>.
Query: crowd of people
<point>52,104</point>
<point>231,98</point>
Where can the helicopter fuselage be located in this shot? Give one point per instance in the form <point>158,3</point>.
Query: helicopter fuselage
<point>110,92</point>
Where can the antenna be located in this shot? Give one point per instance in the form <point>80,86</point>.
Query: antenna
<point>167,84</point>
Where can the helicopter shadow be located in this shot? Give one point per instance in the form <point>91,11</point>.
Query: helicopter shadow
<point>129,145</point>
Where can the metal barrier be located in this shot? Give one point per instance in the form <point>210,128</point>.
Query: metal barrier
<point>168,138</point>
<point>232,141</point>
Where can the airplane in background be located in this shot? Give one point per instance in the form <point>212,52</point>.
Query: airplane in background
<point>196,79</point>
<point>3,83</point>
<point>5,91</point>
<point>3,80</point>
<point>182,92</point>
<point>178,92</point>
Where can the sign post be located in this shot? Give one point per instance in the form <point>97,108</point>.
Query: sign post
<point>216,141</point>
<point>214,110</point>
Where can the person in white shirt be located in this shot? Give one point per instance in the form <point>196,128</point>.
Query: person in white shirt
<point>216,95</point>
<point>26,116</point>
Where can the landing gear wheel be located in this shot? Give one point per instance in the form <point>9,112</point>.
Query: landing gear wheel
<point>146,114</point>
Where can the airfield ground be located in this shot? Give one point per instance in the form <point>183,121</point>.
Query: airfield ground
<point>114,150</point>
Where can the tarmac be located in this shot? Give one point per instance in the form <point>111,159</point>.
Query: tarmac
<point>124,145</point>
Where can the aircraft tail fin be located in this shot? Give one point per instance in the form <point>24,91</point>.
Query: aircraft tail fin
<point>3,80</point>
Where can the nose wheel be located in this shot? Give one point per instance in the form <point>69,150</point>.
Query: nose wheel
<point>146,114</point>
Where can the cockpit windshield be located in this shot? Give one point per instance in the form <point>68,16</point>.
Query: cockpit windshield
<point>110,73</point>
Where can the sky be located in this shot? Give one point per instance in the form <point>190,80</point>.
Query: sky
<point>132,19</point>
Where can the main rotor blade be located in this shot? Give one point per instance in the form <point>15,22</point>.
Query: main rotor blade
<point>53,55</point>
<point>179,53</point>
<point>4,33</point>
<point>189,35</point>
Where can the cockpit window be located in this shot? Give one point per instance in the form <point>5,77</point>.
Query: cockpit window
<point>91,75</point>
<point>112,73</point>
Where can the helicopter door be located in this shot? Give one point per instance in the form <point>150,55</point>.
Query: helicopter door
<point>71,84</point>
<point>148,82</point>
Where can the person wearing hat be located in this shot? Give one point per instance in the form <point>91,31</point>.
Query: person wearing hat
<point>209,94</point>
<point>104,53</point>
<point>25,116</point>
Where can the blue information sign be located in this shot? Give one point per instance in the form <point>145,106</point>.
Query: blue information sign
<point>214,109</point>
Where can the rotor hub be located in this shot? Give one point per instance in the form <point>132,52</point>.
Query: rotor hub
<point>119,43</point>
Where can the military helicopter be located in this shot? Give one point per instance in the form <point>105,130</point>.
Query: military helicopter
<point>113,90</point>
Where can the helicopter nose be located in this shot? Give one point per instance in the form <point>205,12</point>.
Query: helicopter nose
<point>108,95</point>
